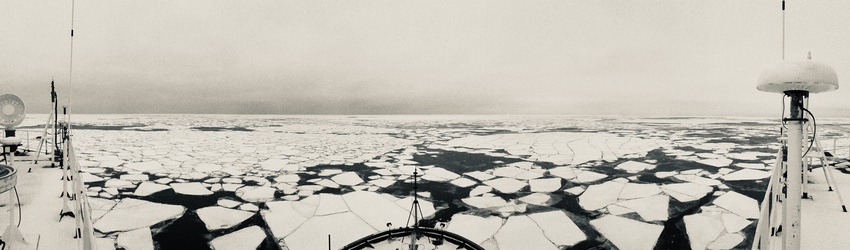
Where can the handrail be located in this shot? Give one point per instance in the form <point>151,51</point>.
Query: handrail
<point>406,231</point>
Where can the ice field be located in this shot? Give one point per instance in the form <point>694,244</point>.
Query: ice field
<point>505,182</point>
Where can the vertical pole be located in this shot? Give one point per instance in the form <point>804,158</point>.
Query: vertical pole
<point>795,171</point>
<point>329,242</point>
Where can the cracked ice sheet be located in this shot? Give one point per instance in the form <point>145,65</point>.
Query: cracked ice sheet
<point>559,228</point>
<point>580,147</point>
<point>686,192</point>
<point>215,217</point>
<point>474,228</point>
<point>601,195</point>
<point>131,214</point>
<point>653,208</point>
<point>246,238</point>
<point>739,204</point>
<point>352,228</point>
<point>702,229</point>
<point>746,174</point>
<point>375,209</point>
<point>521,232</point>
<point>506,185</point>
<point>628,234</point>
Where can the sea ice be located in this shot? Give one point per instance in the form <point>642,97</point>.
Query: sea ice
<point>282,218</point>
<point>138,239</point>
<point>131,214</point>
<point>536,199</point>
<point>718,162</point>
<point>215,217</point>
<point>739,204</point>
<point>733,222</point>
<point>509,171</point>
<point>559,228</point>
<point>375,209</point>
<point>347,179</point>
<point>506,185</point>
<point>426,206</point>
<point>577,190</point>
<point>243,239</point>
<point>190,188</point>
<point>228,203</point>
<point>697,179</point>
<point>686,192</point>
<point>116,183</point>
<point>288,178</point>
<point>634,167</point>
<point>627,234</point>
<point>331,204</point>
<point>653,208</point>
<point>751,165</point>
<point>746,174</point>
<point>148,188</point>
<point>88,178</point>
<point>545,185</point>
<point>521,232</point>
<point>485,202</point>
<point>273,164</point>
<point>601,195</point>
<point>726,241</point>
<point>349,228</point>
<point>462,182</point>
<point>144,166</point>
<point>476,229</point>
<point>439,174</point>
<point>567,173</point>
<point>478,175</point>
<point>479,190</point>
<point>638,190</point>
<point>702,230</point>
<point>588,177</point>
<point>207,167</point>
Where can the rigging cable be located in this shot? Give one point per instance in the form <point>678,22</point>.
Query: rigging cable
<point>814,131</point>
<point>20,214</point>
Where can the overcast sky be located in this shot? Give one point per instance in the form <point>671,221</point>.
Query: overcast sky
<point>417,57</point>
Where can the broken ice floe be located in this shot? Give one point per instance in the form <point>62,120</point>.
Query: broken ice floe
<point>627,234</point>
<point>132,214</point>
<point>215,217</point>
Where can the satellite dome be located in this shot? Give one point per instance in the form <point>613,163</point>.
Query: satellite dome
<point>810,76</point>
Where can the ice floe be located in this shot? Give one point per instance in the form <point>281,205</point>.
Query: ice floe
<point>242,239</point>
<point>746,174</point>
<point>215,217</point>
<point>485,202</point>
<point>506,185</point>
<point>558,228</point>
<point>601,195</point>
<point>347,179</point>
<point>521,232</point>
<point>190,188</point>
<point>138,239</point>
<point>653,208</point>
<point>256,194</point>
<point>148,188</point>
<point>628,234</point>
<point>545,185</point>
<point>132,214</point>
<point>702,230</point>
<point>634,167</point>
<point>476,229</point>
<point>686,192</point>
<point>739,204</point>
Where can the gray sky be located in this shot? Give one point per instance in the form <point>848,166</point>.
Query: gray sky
<point>417,57</point>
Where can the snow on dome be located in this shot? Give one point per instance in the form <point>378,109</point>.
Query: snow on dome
<point>807,75</point>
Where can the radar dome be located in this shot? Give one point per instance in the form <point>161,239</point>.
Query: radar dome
<point>810,76</point>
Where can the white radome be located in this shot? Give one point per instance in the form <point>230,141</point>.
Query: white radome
<point>810,76</point>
